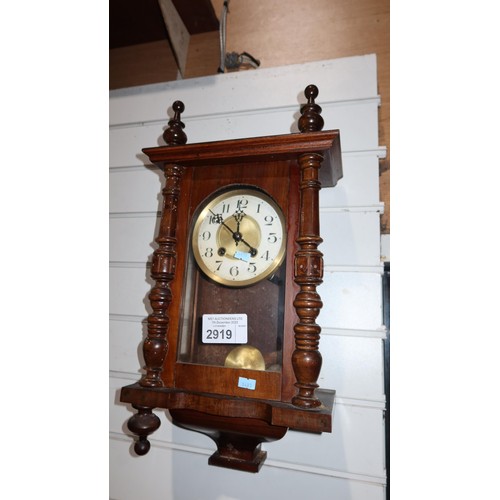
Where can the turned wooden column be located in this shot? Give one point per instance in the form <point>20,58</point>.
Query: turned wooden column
<point>164,259</point>
<point>308,270</point>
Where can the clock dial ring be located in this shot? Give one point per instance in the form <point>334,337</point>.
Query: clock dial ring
<point>239,236</point>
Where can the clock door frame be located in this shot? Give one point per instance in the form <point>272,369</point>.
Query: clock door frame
<point>279,179</point>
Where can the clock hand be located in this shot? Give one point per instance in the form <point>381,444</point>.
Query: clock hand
<point>253,251</point>
<point>218,218</point>
<point>237,236</point>
<point>238,215</point>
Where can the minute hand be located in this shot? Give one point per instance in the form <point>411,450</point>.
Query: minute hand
<point>237,237</point>
<point>253,251</point>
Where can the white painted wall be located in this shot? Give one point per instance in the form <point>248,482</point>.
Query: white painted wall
<point>347,464</point>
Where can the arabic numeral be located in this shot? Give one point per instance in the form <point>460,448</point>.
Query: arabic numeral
<point>252,268</point>
<point>206,235</point>
<point>272,238</point>
<point>234,271</point>
<point>215,219</point>
<point>209,252</point>
<point>269,220</point>
<point>215,334</point>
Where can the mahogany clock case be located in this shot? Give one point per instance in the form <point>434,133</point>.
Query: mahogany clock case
<point>187,376</point>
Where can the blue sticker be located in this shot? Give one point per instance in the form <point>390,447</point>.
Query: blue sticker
<point>247,383</point>
<point>245,256</point>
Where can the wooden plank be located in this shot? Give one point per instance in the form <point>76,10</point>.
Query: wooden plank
<point>177,32</point>
<point>203,57</point>
<point>132,23</point>
<point>198,15</point>
<point>141,64</point>
<point>220,380</point>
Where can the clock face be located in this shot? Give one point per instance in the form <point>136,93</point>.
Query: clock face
<point>239,237</point>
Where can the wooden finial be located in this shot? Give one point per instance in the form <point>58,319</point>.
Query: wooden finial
<point>311,119</point>
<point>174,135</point>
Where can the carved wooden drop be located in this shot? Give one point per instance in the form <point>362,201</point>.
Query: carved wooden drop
<point>288,167</point>
<point>142,424</point>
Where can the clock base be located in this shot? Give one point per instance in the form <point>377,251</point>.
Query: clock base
<point>238,439</point>
<point>237,425</point>
<point>229,462</point>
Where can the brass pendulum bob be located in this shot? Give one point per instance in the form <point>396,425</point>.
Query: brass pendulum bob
<point>246,357</point>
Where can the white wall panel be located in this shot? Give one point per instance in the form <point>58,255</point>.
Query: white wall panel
<point>359,135</point>
<point>350,238</point>
<point>359,185</point>
<point>128,290</point>
<point>351,301</point>
<point>271,483</point>
<point>180,475</point>
<point>343,79</point>
<point>358,122</point>
<point>355,445</point>
<point>347,464</point>
<point>135,190</point>
<point>353,366</point>
<point>148,478</point>
<point>132,238</point>
<point>125,345</point>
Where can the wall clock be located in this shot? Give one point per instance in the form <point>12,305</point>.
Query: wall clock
<point>232,348</point>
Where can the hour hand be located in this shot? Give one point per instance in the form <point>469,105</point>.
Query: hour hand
<point>218,219</point>
<point>238,215</point>
<point>237,236</point>
<point>253,251</point>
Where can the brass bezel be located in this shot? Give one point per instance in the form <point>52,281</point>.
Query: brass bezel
<point>213,201</point>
